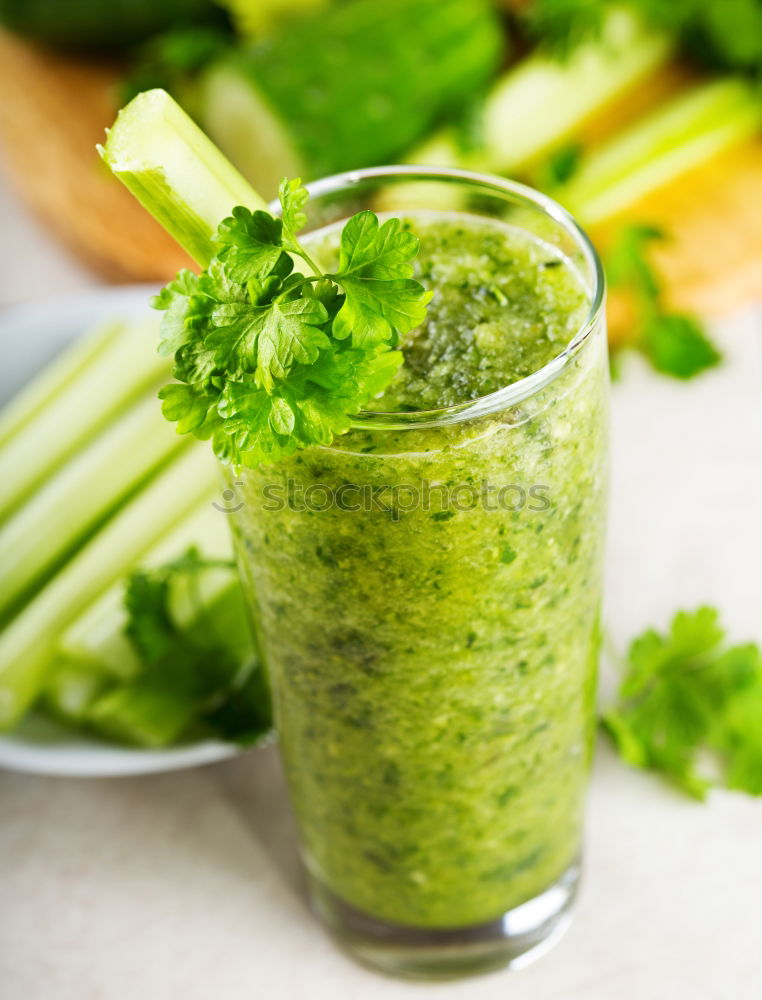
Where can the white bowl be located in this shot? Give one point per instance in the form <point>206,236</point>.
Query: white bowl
<point>30,336</point>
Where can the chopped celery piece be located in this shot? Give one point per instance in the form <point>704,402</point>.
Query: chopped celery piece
<point>28,643</point>
<point>88,488</point>
<point>686,132</point>
<point>123,369</point>
<point>97,636</point>
<point>175,171</point>
<point>536,105</point>
<point>57,376</point>
<point>144,712</point>
<point>72,689</point>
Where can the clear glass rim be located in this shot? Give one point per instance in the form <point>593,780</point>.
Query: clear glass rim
<point>525,387</point>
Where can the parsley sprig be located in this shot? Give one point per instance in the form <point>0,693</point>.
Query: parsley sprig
<point>269,359</point>
<point>674,343</point>
<point>690,706</point>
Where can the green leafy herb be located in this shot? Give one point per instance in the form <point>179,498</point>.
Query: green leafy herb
<point>269,359</point>
<point>192,679</point>
<point>675,344</point>
<point>560,166</point>
<point>687,699</point>
<point>726,34</point>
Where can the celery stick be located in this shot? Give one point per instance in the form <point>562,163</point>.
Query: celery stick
<point>537,104</point>
<point>685,133</point>
<point>97,635</point>
<point>72,689</point>
<point>144,713</point>
<point>57,376</point>
<point>127,367</point>
<point>155,709</point>
<point>28,644</point>
<point>58,517</point>
<point>175,171</point>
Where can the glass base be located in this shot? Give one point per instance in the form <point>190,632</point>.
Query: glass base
<point>512,941</point>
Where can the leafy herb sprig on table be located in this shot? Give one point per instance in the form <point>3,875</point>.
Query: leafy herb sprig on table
<point>674,343</point>
<point>269,359</point>
<point>688,699</point>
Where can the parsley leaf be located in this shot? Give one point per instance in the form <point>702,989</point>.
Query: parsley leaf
<point>268,359</point>
<point>251,244</point>
<point>674,343</point>
<point>293,198</point>
<point>195,677</point>
<point>686,697</point>
<point>677,345</point>
<point>375,272</point>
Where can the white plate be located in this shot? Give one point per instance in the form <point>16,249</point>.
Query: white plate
<point>30,337</point>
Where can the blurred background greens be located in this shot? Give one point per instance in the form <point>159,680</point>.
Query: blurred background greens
<point>642,118</point>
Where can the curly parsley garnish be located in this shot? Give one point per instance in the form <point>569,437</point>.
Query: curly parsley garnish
<point>269,359</point>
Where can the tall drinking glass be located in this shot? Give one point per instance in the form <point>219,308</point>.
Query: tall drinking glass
<point>425,596</point>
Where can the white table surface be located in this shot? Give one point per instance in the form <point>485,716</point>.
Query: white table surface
<point>186,886</point>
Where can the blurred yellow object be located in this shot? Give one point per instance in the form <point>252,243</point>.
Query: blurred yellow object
<point>252,18</point>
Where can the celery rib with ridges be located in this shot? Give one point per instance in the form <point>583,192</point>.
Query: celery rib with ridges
<point>97,636</point>
<point>28,643</point>
<point>80,495</point>
<point>126,366</point>
<point>665,144</point>
<point>536,105</point>
<point>56,377</point>
<point>95,654</point>
<point>175,172</point>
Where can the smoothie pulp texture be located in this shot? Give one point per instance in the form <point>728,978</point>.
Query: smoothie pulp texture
<point>426,598</point>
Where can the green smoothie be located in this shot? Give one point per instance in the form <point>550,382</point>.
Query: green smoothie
<point>425,596</point>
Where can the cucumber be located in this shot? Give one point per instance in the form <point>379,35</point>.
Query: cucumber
<point>352,86</point>
<point>96,25</point>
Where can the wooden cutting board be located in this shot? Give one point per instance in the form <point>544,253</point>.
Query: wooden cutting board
<point>53,110</point>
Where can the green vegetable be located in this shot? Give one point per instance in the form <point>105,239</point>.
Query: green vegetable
<point>45,387</point>
<point>28,643</point>
<point>97,638</point>
<point>674,343</point>
<point>253,18</point>
<point>110,672</point>
<point>95,25</point>
<point>121,367</point>
<point>687,695</point>
<point>186,675</point>
<point>684,133</point>
<point>270,360</point>
<point>174,171</point>
<point>79,496</point>
<point>535,106</point>
<point>351,86</point>
<point>721,33</point>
